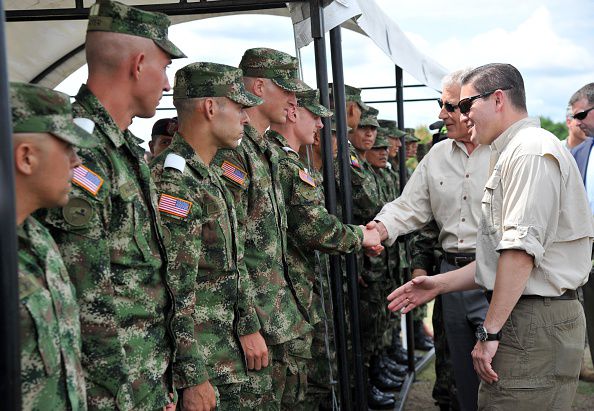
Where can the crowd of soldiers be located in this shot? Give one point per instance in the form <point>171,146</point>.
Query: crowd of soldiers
<point>198,280</point>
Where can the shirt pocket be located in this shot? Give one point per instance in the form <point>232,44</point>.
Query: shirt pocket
<point>217,237</point>
<point>38,305</point>
<point>491,208</point>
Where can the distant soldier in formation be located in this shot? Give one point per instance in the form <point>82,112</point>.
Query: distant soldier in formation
<point>161,135</point>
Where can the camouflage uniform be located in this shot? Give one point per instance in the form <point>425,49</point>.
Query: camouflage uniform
<point>201,241</point>
<point>51,371</point>
<point>109,234</point>
<point>251,174</point>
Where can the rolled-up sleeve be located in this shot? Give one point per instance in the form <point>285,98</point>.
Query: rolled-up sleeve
<point>530,205</point>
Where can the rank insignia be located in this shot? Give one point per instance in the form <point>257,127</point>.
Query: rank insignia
<point>306,178</point>
<point>174,206</point>
<point>233,173</point>
<point>87,179</point>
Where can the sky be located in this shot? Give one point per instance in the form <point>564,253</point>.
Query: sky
<point>551,42</point>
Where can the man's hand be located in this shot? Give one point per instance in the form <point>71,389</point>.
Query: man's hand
<point>414,293</point>
<point>419,272</point>
<point>371,239</point>
<point>482,356</point>
<point>200,397</point>
<point>255,350</point>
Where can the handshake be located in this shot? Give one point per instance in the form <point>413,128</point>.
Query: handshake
<point>373,235</point>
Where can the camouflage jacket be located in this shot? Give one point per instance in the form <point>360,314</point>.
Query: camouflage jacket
<point>394,176</point>
<point>109,237</point>
<point>251,174</point>
<point>201,227</point>
<point>310,226</point>
<point>366,196</point>
<point>51,371</point>
<point>425,247</point>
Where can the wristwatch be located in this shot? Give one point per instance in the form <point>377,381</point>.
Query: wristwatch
<point>481,334</point>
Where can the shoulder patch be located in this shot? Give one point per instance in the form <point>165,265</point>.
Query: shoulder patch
<point>354,161</point>
<point>175,161</point>
<point>305,177</point>
<point>233,173</point>
<point>77,212</point>
<point>87,179</point>
<point>174,206</point>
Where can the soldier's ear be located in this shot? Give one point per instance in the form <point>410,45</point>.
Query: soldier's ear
<point>210,108</point>
<point>258,87</point>
<point>26,158</point>
<point>137,63</point>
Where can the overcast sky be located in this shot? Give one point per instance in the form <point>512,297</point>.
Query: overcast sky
<point>551,42</point>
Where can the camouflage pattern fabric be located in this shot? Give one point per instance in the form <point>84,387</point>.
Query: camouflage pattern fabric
<point>280,67</point>
<point>197,80</point>
<point>350,94</point>
<point>310,100</point>
<point>423,247</point>
<point>366,197</point>
<point>202,250</point>
<point>252,177</point>
<point>111,242</point>
<point>115,17</point>
<point>369,117</point>
<point>51,372</point>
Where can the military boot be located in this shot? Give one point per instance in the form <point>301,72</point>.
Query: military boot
<point>422,341</point>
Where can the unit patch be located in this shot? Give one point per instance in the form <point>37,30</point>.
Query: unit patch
<point>233,173</point>
<point>87,179</point>
<point>306,178</point>
<point>174,206</point>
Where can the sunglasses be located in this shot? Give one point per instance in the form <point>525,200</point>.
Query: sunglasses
<point>582,114</point>
<point>466,103</point>
<point>450,108</point>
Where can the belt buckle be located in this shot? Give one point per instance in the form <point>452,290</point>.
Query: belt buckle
<point>458,261</point>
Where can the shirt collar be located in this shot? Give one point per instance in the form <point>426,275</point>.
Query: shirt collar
<point>507,136</point>
<point>183,149</point>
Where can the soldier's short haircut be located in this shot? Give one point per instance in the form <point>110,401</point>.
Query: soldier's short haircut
<point>106,50</point>
<point>586,92</point>
<point>454,78</point>
<point>495,76</point>
<point>185,107</point>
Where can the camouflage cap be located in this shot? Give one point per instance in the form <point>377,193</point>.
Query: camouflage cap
<point>37,109</point>
<point>113,16</point>
<point>391,128</point>
<point>350,94</point>
<point>381,141</point>
<point>275,65</point>
<point>165,127</point>
<point>310,100</point>
<point>410,136</point>
<point>369,117</point>
<point>198,80</point>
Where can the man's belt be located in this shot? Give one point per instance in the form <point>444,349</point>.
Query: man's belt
<point>567,295</point>
<point>459,259</point>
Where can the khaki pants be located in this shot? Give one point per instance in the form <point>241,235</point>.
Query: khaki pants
<point>539,357</point>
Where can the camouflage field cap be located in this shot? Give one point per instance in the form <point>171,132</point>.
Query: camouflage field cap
<point>310,100</point>
<point>350,94</point>
<point>391,128</point>
<point>369,117</point>
<point>410,136</point>
<point>381,141</point>
<point>37,109</point>
<point>275,65</point>
<point>198,80</point>
<point>113,16</point>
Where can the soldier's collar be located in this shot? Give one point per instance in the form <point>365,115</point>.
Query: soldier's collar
<point>182,148</point>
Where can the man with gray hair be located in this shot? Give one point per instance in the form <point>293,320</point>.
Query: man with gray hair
<point>533,251</point>
<point>576,135</point>
<point>447,187</point>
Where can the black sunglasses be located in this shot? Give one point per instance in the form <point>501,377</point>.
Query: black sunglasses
<point>466,103</point>
<point>582,114</point>
<point>450,108</point>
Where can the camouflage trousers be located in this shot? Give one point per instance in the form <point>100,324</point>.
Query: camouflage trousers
<point>372,317</point>
<point>229,397</point>
<point>321,369</point>
<point>100,398</point>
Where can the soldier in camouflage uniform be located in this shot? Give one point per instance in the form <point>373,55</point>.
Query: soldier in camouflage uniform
<point>251,173</point>
<point>44,137</point>
<point>201,225</point>
<point>310,226</point>
<point>354,104</point>
<point>109,232</point>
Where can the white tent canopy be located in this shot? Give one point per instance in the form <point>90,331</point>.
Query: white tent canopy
<point>35,46</point>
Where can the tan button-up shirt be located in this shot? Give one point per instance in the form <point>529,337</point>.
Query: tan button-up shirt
<point>534,200</point>
<point>447,186</point>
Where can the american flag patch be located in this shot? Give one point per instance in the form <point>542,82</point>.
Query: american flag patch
<point>306,178</point>
<point>85,178</point>
<point>174,206</point>
<point>355,162</point>
<point>233,173</point>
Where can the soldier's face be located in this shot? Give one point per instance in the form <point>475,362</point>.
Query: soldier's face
<point>307,125</point>
<point>411,149</point>
<point>277,102</point>
<point>457,129</point>
<point>229,122</point>
<point>377,157</point>
<point>159,144</point>
<point>395,145</point>
<point>353,114</point>
<point>587,124</point>
<point>363,137</point>
<point>152,81</point>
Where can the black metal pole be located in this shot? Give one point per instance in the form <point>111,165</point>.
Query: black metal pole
<point>347,211</point>
<point>317,29</point>
<point>10,355</point>
<point>410,341</point>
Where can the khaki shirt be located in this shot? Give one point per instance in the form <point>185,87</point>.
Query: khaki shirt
<point>447,186</point>
<point>535,201</point>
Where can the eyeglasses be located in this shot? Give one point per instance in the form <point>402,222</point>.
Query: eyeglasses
<point>466,103</point>
<point>582,114</point>
<point>450,108</point>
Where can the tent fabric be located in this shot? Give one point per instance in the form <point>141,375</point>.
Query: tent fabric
<point>33,47</point>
